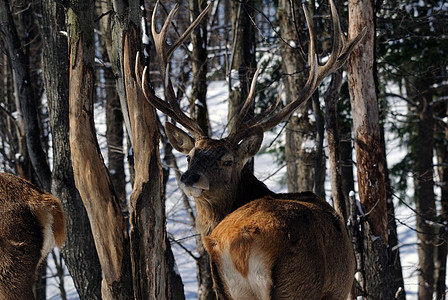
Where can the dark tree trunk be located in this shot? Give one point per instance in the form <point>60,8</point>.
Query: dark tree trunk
<point>199,63</point>
<point>346,145</point>
<point>442,160</point>
<point>300,147</point>
<point>393,247</point>
<point>334,155</point>
<point>152,261</point>
<point>148,233</point>
<point>319,157</point>
<point>199,112</point>
<point>20,63</point>
<point>422,147</point>
<point>243,57</point>
<point>79,250</point>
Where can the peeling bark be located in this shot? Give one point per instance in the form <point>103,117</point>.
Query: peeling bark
<point>91,176</point>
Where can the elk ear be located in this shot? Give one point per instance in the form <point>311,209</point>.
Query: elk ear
<point>250,145</point>
<point>179,139</point>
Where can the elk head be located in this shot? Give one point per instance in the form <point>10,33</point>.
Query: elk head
<point>215,166</point>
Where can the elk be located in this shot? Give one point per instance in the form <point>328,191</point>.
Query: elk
<point>31,222</point>
<point>262,245</point>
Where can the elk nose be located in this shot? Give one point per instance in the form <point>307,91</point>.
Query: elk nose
<point>190,179</point>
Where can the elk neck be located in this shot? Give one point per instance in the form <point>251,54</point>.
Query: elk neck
<point>248,189</point>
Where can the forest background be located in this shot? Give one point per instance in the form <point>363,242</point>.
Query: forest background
<point>64,63</point>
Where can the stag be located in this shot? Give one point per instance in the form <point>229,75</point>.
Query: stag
<point>31,222</point>
<point>262,245</point>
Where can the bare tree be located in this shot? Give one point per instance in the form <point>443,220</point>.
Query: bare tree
<point>242,61</point>
<point>79,251</point>
<point>300,151</point>
<point>377,275</point>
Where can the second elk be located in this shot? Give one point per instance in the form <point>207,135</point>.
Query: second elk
<point>262,245</point>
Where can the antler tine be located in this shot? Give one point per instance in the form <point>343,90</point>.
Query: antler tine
<point>240,119</point>
<point>267,111</point>
<point>338,44</point>
<point>251,125</point>
<point>167,109</point>
<point>339,54</point>
<point>142,79</point>
<point>187,32</point>
<point>171,106</point>
<point>152,98</point>
<point>160,37</point>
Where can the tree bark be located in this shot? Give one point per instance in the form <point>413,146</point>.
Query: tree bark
<point>442,170</point>
<point>79,249</point>
<point>199,63</point>
<point>300,147</point>
<point>348,182</point>
<point>331,98</point>
<point>20,64</point>
<point>114,125</point>
<point>369,153</point>
<point>152,260</point>
<point>148,232</point>
<point>365,113</point>
<point>91,176</point>
<point>199,112</point>
<point>422,147</point>
<point>393,243</point>
<point>243,64</point>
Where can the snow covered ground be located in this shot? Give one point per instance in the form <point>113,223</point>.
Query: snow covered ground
<point>267,170</point>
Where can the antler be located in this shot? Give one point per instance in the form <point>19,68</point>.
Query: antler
<point>339,54</point>
<point>170,107</point>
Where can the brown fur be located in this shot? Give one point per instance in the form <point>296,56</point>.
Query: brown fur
<point>25,212</point>
<point>296,238</point>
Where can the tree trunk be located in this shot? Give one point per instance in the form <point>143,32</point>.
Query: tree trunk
<point>91,176</point>
<point>152,260</point>
<point>369,153</point>
<point>300,147</point>
<point>20,64</point>
<point>331,98</point>
<point>348,182</point>
<point>442,170</point>
<point>148,232</point>
<point>243,64</point>
<point>114,132</point>
<point>12,127</point>
<point>79,250</point>
<point>198,103</point>
<point>364,102</point>
<point>422,147</point>
<point>199,112</point>
<point>393,247</point>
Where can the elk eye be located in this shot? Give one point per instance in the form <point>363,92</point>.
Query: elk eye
<point>228,163</point>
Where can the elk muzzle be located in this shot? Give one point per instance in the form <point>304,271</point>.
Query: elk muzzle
<point>194,183</point>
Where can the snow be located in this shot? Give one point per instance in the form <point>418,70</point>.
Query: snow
<point>273,175</point>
